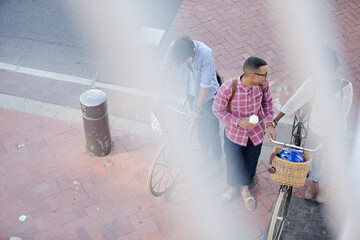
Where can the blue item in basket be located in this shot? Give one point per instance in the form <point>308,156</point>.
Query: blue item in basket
<point>292,156</point>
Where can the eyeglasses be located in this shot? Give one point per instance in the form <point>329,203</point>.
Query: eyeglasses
<point>259,74</point>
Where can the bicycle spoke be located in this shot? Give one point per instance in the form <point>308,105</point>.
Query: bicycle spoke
<point>161,180</point>
<point>155,173</point>
<point>172,177</point>
<point>165,169</point>
<point>157,182</point>
<point>163,165</point>
<point>159,164</point>
<point>169,171</point>
<point>167,181</point>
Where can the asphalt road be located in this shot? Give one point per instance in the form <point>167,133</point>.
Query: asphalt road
<point>48,35</point>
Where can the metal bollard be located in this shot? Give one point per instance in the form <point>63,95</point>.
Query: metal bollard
<point>96,122</point>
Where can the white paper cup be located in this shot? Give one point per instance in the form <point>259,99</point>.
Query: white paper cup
<point>254,119</point>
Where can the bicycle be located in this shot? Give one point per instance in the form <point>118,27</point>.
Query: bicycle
<point>168,161</point>
<point>280,208</point>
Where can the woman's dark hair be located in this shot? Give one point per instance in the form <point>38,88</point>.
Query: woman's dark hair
<point>183,49</point>
<point>253,64</point>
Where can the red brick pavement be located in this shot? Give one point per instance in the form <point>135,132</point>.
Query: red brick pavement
<point>237,29</point>
<point>65,193</point>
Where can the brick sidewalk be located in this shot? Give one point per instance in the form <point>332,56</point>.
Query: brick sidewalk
<point>47,175</point>
<point>237,29</point>
<point>66,194</point>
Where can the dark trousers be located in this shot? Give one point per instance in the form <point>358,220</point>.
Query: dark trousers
<point>208,131</point>
<point>241,162</point>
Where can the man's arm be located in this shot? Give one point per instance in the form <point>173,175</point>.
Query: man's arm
<point>220,104</point>
<point>206,76</point>
<point>267,103</point>
<point>195,113</point>
<point>206,73</point>
<point>202,95</point>
<point>268,111</point>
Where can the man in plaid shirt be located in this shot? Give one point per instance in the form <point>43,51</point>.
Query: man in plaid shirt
<point>243,139</point>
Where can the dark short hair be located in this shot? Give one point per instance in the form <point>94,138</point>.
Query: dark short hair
<point>253,64</point>
<point>183,49</point>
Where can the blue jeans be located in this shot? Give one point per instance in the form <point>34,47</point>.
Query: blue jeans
<point>241,162</point>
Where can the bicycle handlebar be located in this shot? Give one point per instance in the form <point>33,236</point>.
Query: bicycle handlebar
<point>297,147</point>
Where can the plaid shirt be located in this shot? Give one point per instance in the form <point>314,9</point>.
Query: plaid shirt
<point>246,102</point>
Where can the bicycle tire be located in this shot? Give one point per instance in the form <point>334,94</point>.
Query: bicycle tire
<point>167,162</point>
<point>280,210</point>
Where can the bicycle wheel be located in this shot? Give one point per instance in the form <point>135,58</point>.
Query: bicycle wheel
<point>164,169</point>
<point>280,210</point>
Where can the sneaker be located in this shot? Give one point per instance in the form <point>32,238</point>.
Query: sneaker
<point>311,190</point>
<point>249,201</point>
<point>323,195</point>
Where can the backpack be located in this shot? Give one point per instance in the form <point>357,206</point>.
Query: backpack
<point>219,78</point>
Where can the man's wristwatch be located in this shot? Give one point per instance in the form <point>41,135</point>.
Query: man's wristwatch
<point>275,122</point>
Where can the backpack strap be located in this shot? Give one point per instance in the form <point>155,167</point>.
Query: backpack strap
<point>233,90</point>
<point>262,89</point>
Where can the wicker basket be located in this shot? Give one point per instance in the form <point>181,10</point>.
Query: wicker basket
<point>290,173</point>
